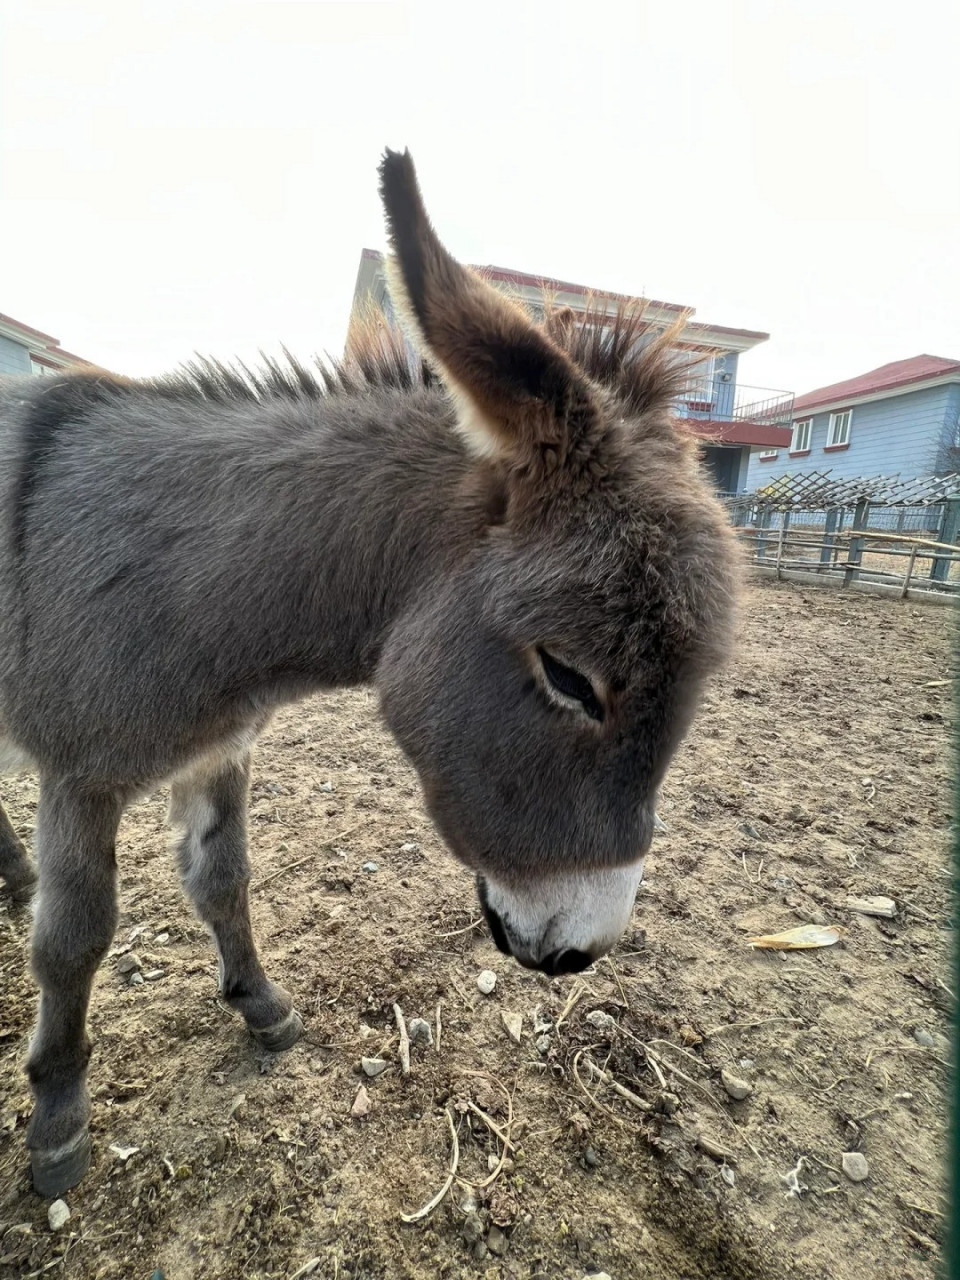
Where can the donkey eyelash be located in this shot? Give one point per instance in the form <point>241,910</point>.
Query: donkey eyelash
<point>571,684</point>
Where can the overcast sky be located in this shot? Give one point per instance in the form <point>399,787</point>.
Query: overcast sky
<point>180,177</point>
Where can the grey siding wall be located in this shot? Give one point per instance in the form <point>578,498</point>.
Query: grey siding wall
<point>949,455</point>
<point>901,435</point>
<point>13,357</point>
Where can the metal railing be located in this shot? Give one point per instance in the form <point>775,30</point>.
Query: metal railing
<point>763,404</point>
<point>730,402</point>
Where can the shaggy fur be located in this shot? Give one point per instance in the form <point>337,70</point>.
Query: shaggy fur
<point>509,536</point>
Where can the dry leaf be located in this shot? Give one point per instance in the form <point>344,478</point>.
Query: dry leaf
<point>800,939</point>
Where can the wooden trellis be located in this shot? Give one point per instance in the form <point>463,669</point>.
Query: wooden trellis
<point>839,551</point>
<point>820,490</point>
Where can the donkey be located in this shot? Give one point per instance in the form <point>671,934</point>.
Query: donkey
<point>509,536</point>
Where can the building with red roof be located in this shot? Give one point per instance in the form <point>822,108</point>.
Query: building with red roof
<point>901,419</point>
<point>24,349</point>
<point>733,421</point>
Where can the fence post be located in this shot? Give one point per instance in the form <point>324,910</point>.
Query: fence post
<point>763,520</point>
<point>829,527</point>
<point>861,518</point>
<point>948,531</point>
<point>781,540</point>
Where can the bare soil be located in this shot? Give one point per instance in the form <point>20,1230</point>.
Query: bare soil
<point>819,769</point>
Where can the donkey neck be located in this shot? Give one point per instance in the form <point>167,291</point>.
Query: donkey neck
<point>353,517</point>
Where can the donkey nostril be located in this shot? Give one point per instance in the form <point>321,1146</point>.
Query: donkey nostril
<point>569,961</point>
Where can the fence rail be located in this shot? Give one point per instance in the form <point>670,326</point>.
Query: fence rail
<point>902,537</point>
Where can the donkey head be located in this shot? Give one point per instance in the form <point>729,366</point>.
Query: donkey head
<point>541,682</point>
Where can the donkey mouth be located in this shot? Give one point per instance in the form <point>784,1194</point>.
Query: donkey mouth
<point>566,960</point>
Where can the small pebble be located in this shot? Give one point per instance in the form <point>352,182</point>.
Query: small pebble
<point>513,1025</point>
<point>123,1153</point>
<point>727,1174</point>
<point>486,981</point>
<point>410,847</point>
<point>884,907</point>
<point>667,1104</point>
<point>933,1040</point>
<point>855,1166</point>
<point>602,1021</point>
<point>154,975</point>
<point>371,867</point>
<point>58,1214</point>
<point>543,1044</point>
<point>326,788</point>
<point>496,1242</point>
<point>737,1088</point>
<point>591,1158</point>
<point>747,1064</point>
<point>162,939</point>
<point>420,1031</point>
<point>472,1228</point>
<point>128,963</point>
<point>597,1275</point>
<point>136,979</point>
<point>373,1067</point>
<point>361,1103</point>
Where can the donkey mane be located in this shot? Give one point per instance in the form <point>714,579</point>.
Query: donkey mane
<point>625,352</point>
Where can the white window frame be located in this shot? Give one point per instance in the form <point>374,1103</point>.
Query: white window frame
<point>795,440</point>
<point>838,433</point>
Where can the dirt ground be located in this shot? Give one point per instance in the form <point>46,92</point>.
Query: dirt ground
<point>819,769</point>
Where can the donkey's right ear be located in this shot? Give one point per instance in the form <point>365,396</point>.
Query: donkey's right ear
<point>516,390</point>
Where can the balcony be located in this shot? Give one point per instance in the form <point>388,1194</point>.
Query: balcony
<point>718,401</point>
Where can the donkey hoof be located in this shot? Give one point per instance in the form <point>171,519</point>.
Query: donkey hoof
<point>23,889</point>
<point>57,1169</point>
<point>282,1035</point>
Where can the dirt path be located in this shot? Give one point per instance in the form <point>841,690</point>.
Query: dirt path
<point>819,769</point>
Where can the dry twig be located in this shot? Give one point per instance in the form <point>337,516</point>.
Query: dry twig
<point>454,1164</point>
<point>404,1040</point>
<point>466,929</point>
<point>579,987</point>
<point>589,1096</point>
<point>292,866</point>
<point>621,1090</point>
<point>505,1137</point>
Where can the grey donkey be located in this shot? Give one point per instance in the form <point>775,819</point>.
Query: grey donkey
<point>509,535</point>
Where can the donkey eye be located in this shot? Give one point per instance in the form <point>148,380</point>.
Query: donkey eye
<point>571,684</point>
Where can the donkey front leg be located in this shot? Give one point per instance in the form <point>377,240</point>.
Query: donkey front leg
<point>211,803</point>
<point>15,866</point>
<point>76,917</point>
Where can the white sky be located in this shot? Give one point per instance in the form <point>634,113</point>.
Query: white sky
<point>179,177</point>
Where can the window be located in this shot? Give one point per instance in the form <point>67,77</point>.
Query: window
<point>838,434</point>
<point>38,369</point>
<point>769,455</point>
<point>801,436</point>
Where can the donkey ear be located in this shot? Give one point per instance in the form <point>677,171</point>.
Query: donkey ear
<point>516,389</point>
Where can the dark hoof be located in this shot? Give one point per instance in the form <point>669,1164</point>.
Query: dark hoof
<point>21,891</point>
<point>58,1169</point>
<point>282,1035</point>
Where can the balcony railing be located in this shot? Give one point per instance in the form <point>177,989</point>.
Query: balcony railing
<point>728,402</point>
